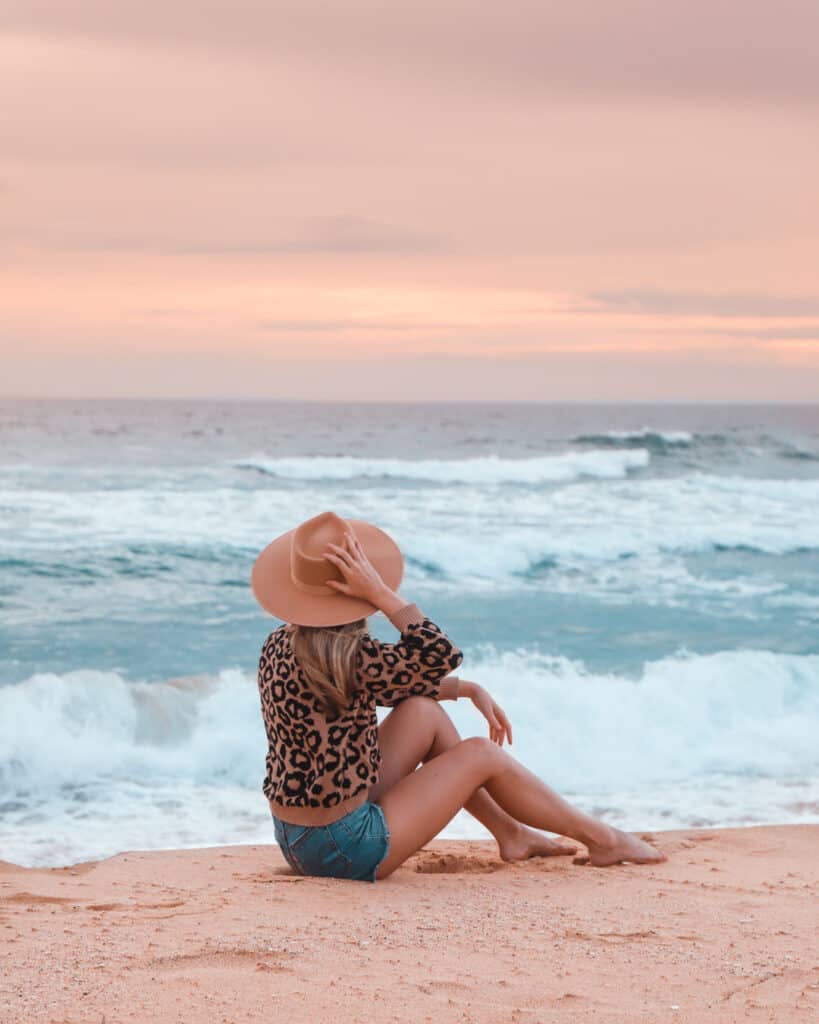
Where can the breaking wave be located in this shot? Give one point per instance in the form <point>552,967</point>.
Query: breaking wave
<point>489,469</point>
<point>654,440</point>
<point>181,762</point>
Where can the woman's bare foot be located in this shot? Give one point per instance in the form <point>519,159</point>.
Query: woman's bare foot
<point>623,848</point>
<point>527,842</point>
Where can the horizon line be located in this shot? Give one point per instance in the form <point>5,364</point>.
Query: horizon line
<point>403,401</point>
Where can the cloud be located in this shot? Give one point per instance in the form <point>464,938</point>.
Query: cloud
<point>779,333</point>
<point>332,234</point>
<point>667,303</point>
<point>318,326</point>
<point>762,49</point>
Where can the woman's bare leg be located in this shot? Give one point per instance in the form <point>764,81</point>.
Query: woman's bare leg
<point>423,802</point>
<point>419,729</point>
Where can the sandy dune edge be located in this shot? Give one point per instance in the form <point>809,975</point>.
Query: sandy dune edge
<point>725,931</point>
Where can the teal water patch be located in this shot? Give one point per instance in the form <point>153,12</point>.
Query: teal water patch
<point>796,571</point>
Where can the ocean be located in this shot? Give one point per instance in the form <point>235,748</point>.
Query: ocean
<point>636,584</point>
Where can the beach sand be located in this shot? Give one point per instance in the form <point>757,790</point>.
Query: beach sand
<point>725,931</point>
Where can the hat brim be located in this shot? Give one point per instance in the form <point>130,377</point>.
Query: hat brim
<point>275,591</point>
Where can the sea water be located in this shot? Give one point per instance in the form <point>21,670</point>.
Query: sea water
<point>636,585</point>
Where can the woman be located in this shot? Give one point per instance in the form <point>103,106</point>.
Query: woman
<point>347,796</point>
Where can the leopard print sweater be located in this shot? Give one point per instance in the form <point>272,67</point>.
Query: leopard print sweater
<point>317,760</point>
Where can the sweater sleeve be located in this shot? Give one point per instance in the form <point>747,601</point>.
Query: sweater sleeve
<point>415,666</point>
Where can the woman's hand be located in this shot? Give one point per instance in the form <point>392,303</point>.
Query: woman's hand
<point>361,578</point>
<point>499,725</point>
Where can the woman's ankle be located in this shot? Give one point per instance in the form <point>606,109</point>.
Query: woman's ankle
<point>597,834</point>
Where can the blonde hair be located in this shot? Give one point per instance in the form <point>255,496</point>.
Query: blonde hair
<point>327,658</point>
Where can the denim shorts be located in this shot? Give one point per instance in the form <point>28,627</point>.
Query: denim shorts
<point>349,847</point>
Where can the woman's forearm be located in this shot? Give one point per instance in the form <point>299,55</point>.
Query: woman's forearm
<point>388,601</point>
<point>450,688</point>
<point>467,688</point>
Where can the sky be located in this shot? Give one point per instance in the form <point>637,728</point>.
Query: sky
<point>410,200</point>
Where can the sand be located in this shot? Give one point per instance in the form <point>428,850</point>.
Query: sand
<point>725,931</point>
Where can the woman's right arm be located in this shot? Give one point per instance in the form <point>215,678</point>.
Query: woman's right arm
<point>415,666</point>
<point>424,655</point>
<point>418,664</point>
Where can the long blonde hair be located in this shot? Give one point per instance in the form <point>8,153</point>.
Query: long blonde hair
<point>327,657</point>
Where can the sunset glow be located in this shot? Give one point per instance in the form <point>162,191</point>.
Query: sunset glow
<point>409,202</point>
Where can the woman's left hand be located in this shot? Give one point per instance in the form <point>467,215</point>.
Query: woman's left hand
<point>499,725</point>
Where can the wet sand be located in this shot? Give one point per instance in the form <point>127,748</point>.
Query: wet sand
<point>726,930</point>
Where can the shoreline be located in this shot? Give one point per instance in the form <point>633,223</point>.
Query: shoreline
<point>723,931</point>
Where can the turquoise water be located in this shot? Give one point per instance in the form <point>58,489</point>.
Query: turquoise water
<point>638,585</point>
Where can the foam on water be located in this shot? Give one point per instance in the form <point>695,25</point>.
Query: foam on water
<point>732,547</point>
<point>470,538</point>
<point>486,470</point>
<point>181,762</point>
<point>102,726</point>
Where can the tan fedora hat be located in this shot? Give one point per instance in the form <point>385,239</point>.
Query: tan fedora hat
<point>289,576</point>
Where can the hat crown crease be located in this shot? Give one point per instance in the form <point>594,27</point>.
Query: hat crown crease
<point>309,572</point>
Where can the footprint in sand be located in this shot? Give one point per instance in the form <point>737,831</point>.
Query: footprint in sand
<point>34,899</point>
<point>454,864</point>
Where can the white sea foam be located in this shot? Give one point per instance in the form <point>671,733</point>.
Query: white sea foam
<point>630,537</point>
<point>485,470</point>
<point>70,729</point>
<point>598,519</point>
<point>112,764</point>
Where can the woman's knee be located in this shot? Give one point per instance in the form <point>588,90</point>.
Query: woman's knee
<point>483,751</point>
<point>425,707</point>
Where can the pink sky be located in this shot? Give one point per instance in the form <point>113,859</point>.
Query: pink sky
<point>410,200</point>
